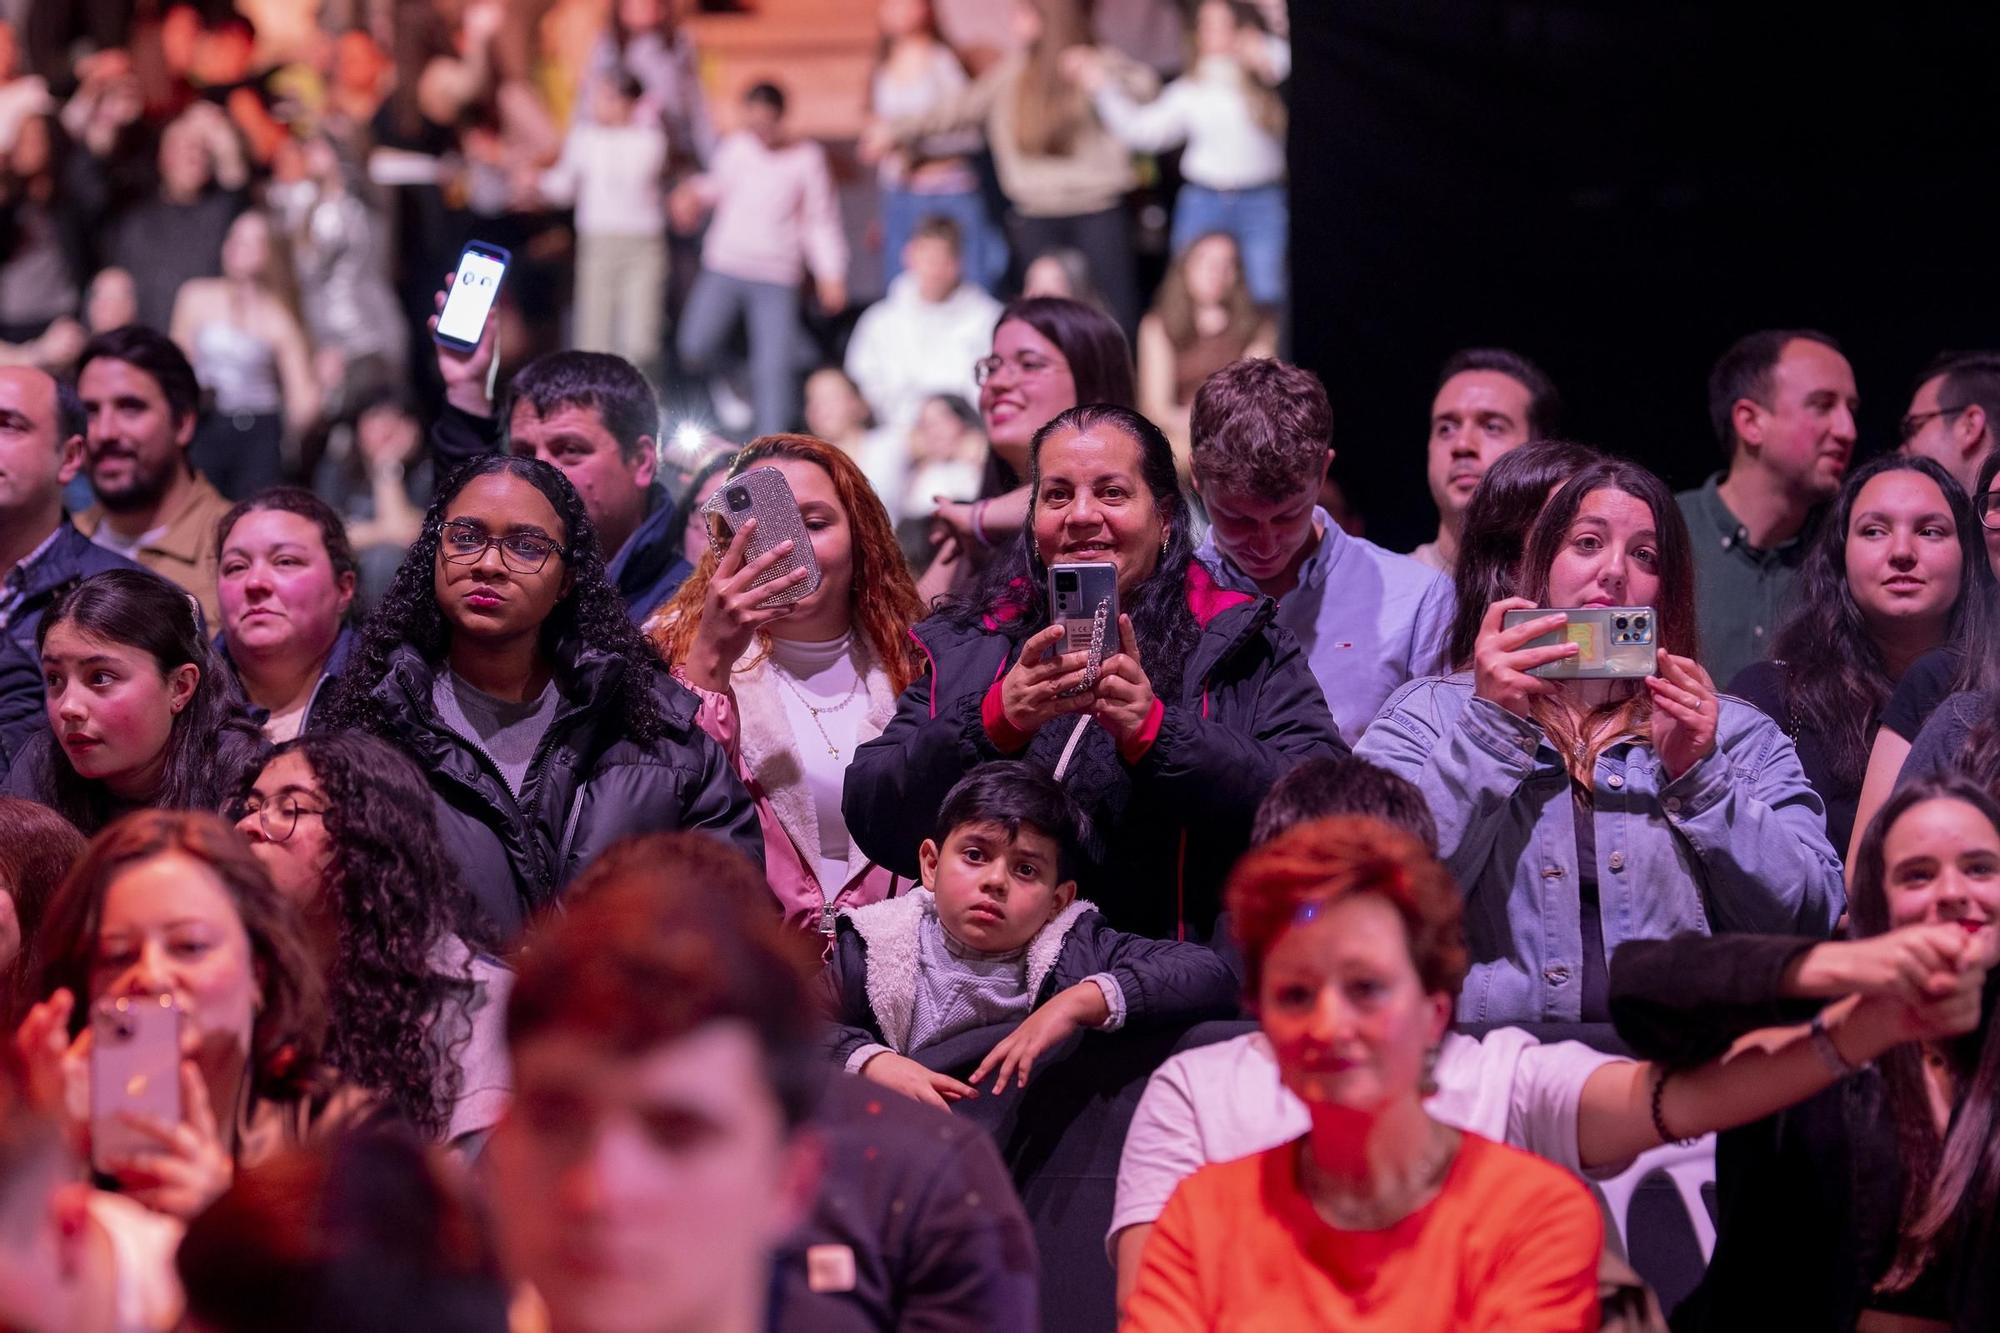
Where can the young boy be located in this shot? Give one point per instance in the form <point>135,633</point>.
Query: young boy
<point>997,935</point>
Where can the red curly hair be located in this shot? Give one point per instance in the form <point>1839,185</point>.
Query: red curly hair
<point>884,595</point>
<point>1324,861</point>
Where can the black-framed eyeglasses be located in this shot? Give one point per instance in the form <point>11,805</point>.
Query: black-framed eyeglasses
<point>280,819</point>
<point>464,543</point>
<point>1914,422</point>
<point>1988,508</point>
<point>986,367</point>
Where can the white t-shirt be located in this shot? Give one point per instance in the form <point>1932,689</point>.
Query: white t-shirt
<point>143,1243</point>
<point>1221,1102</point>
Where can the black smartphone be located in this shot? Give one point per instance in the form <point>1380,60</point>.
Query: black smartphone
<point>480,268</point>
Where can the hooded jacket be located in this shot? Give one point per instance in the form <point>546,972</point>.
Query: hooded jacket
<point>1167,827</point>
<point>589,785</point>
<point>336,661</point>
<point>872,979</point>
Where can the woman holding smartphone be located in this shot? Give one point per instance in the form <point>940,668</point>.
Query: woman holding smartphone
<point>502,661</point>
<point>1196,706</point>
<point>790,690</point>
<point>172,904</point>
<point>1578,814</point>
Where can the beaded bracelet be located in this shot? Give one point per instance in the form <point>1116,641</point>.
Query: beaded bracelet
<point>1659,1119</point>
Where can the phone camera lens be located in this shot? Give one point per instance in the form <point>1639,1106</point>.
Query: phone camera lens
<point>1067,583</point>
<point>1622,622</point>
<point>739,498</point>
<point>1639,623</point>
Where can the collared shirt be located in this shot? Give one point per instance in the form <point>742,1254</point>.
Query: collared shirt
<point>1368,619</point>
<point>14,590</point>
<point>182,549</point>
<point>1740,591</point>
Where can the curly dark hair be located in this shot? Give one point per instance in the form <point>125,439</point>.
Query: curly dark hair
<point>1013,593</point>
<point>142,610</point>
<point>286,1038</point>
<point>397,1024</point>
<point>590,615</point>
<point>1836,681</point>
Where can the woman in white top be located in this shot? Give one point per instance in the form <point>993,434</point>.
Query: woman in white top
<point>915,73</point>
<point>1233,123</point>
<point>791,692</point>
<point>243,334</point>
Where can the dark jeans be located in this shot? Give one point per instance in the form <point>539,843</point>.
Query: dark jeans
<point>770,313</point>
<point>1106,242</point>
<point>240,453</point>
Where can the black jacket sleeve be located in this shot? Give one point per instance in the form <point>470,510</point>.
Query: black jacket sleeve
<point>843,995</point>
<point>458,437</point>
<point>1686,999</point>
<point>1165,981</point>
<point>23,713</point>
<point>897,781</point>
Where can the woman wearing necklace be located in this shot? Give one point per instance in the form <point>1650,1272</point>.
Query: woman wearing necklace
<point>792,691</point>
<point>1578,814</point>
<point>1378,1217</point>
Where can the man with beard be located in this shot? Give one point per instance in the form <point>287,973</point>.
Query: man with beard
<point>1783,404</point>
<point>1488,401</point>
<point>140,401</point>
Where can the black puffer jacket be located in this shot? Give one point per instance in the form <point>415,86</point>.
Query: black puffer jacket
<point>1168,828</point>
<point>589,785</point>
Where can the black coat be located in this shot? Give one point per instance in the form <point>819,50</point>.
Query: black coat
<point>589,784</point>
<point>1167,828</point>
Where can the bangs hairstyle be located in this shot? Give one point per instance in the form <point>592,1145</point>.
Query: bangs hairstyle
<point>1261,427</point>
<point>1675,612</point>
<point>136,609</point>
<point>1956,1177</point>
<point>882,595</point>
<point>286,1035</point>
<point>300,501</point>
<point>661,936</point>
<point>1503,507</point>
<point>1312,866</point>
<point>1838,682</point>
<point>1017,795</point>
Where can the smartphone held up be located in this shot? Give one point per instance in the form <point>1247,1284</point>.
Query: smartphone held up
<point>135,1070</point>
<point>763,493</point>
<point>1612,642</point>
<point>474,289</point>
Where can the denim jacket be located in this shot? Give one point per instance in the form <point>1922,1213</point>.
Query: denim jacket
<point>1738,842</point>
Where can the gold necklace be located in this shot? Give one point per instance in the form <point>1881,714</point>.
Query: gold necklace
<point>785,678</point>
<point>1350,1214</point>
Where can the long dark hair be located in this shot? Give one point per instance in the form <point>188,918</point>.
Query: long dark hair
<point>1503,507</point>
<point>590,616</point>
<point>394,900</point>
<point>286,1036</point>
<point>143,611</point>
<point>1012,595</point>
<point>1099,359</point>
<point>1837,682</point>
<point>1673,612</point>
<point>1956,1176</point>
<point>38,847</point>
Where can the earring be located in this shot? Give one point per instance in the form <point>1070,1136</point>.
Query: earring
<point>1428,1085</point>
<point>1163,544</point>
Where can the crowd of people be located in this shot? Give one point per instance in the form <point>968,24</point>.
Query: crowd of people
<point>573,913</point>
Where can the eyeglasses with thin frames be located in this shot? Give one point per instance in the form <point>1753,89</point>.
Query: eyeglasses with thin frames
<point>1914,422</point>
<point>464,543</point>
<point>1025,368</point>
<point>280,819</point>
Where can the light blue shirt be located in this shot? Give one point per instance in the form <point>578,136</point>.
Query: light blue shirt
<point>1736,843</point>
<point>1368,619</point>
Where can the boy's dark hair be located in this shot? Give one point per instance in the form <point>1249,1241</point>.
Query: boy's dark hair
<point>770,94</point>
<point>1744,371</point>
<point>1015,794</point>
<point>1321,787</point>
<point>609,385</point>
<point>1544,403</point>
<point>156,354</point>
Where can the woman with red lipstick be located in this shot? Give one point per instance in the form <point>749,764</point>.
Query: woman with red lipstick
<point>1578,814</point>
<point>285,580</point>
<point>1378,1217</point>
<point>1872,1205</point>
<point>1897,570</point>
<point>503,662</point>
<point>1199,702</point>
<point>141,711</point>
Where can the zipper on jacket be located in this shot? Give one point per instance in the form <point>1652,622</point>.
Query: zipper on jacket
<point>828,914</point>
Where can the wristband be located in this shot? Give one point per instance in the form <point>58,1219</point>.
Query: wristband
<point>1660,1120</point>
<point>1828,1050</point>
<point>979,523</point>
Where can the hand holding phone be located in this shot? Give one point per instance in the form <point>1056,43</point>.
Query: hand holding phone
<point>1612,642</point>
<point>763,494</point>
<point>135,1070</point>
<point>469,303</point>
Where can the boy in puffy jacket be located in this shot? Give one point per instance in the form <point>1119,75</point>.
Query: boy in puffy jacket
<point>997,935</point>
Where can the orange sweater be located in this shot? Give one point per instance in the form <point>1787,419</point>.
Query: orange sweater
<point>1510,1242</point>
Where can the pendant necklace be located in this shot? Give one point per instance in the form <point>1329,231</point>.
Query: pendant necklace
<point>816,709</point>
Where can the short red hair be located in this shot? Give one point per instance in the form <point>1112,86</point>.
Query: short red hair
<point>1324,861</point>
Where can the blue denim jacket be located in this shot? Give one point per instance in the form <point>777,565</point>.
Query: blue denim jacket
<point>1738,842</point>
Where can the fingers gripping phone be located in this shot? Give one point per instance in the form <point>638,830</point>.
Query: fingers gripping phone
<point>1612,642</point>
<point>470,303</point>
<point>763,493</point>
<point>1083,599</point>
<point>135,1067</point>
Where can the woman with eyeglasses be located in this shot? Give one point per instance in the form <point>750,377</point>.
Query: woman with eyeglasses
<point>1049,355</point>
<point>344,826</point>
<point>142,712</point>
<point>503,663</point>
<point>1896,571</point>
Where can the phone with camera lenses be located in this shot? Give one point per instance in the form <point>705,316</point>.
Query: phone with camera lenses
<point>763,493</point>
<point>1083,599</point>
<point>135,1068</point>
<point>1612,642</point>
